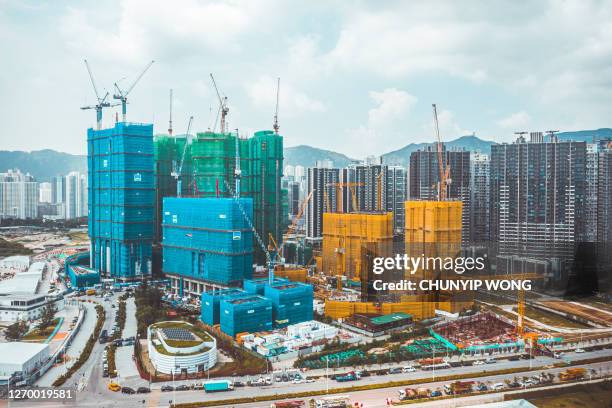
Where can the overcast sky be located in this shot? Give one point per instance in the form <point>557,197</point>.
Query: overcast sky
<point>356,77</point>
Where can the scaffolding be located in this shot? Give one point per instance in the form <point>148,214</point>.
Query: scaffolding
<point>344,237</point>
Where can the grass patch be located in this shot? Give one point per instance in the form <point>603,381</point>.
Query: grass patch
<point>41,335</point>
<point>10,248</point>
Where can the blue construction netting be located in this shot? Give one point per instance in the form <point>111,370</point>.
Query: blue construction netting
<point>210,305</point>
<point>207,239</point>
<point>121,199</point>
<point>247,314</point>
<point>291,302</point>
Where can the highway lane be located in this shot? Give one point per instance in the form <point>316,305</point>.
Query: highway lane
<point>101,397</point>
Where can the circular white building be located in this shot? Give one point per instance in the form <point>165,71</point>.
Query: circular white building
<point>179,347</point>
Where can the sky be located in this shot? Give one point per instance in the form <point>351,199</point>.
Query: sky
<point>357,77</point>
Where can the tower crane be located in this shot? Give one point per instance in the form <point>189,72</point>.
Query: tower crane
<point>177,174</point>
<point>222,104</point>
<point>102,103</point>
<point>275,126</point>
<point>170,121</point>
<point>551,134</point>
<point>443,173</point>
<point>237,171</point>
<point>122,95</point>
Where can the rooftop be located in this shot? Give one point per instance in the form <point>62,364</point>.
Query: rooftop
<point>19,352</point>
<point>389,318</point>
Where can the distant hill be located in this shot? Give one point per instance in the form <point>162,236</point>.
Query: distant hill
<point>307,156</point>
<point>586,135</point>
<point>42,164</point>
<point>401,157</point>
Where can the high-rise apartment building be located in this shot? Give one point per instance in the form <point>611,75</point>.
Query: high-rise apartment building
<point>76,195</point>
<point>591,192</point>
<point>44,193</point>
<point>537,195</point>
<point>479,197</point>
<point>18,195</point>
<point>321,182</point>
<point>425,179</point>
<point>121,199</point>
<point>395,195</point>
<point>604,198</point>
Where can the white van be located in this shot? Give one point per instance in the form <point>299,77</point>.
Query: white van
<point>498,386</point>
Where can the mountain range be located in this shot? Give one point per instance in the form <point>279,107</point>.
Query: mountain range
<point>44,164</point>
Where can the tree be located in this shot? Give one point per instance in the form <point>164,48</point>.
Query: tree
<point>16,330</point>
<point>47,317</point>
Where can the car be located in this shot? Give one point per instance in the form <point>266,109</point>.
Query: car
<point>579,350</point>
<point>166,388</point>
<point>364,373</point>
<point>297,381</point>
<point>436,393</point>
<point>127,390</point>
<point>395,370</point>
<point>482,387</point>
<point>309,380</point>
<point>143,390</point>
<point>478,362</point>
<point>514,358</point>
<point>528,382</point>
<point>114,387</point>
<point>498,386</point>
<point>239,384</point>
<point>490,360</point>
<point>104,373</point>
<point>408,369</point>
<point>182,387</point>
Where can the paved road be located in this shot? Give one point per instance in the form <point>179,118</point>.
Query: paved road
<point>126,367</point>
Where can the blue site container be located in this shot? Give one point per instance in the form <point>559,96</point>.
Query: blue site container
<point>79,273</point>
<point>210,305</point>
<point>291,302</point>
<point>207,239</point>
<point>121,199</point>
<point>245,314</point>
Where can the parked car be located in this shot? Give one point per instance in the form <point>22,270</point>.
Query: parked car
<point>114,387</point>
<point>239,384</point>
<point>490,360</point>
<point>166,388</point>
<point>409,369</point>
<point>395,370</point>
<point>143,390</point>
<point>182,387</point>
<point>482,387</point>
<point>127,390</point>
<point>478,362</point>
<point>579,350</point>
<point>364,373</point>
<point>436,393</point>
<point>498,386</point>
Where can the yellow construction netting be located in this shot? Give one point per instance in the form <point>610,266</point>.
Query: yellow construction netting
<point>344,236</point>
<point>419,310</point>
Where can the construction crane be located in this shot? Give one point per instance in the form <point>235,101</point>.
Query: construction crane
<point>551,134</point>
<point>122,95</point>
<point>177,174</point>
<point>275,125</point>
<point>270,260</point>
<point>222,104</point>
<point>339,186</point>
<point>443,173</point>
<point>237,171</point>
<point>102,103</point>
<point>170,120</point>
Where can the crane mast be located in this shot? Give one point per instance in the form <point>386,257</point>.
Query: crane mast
<point>177,173</point>
<point>443,174</point>
<point>275,126</point>
<point>102,103</point>
<point>122,95</point>
<point>222,105</point>
<point>170,121</point>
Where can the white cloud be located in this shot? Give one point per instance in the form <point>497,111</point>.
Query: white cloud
<point>447,124</point>
<point>392,104</point>
<point>516,121</point>
<point>292,101</point>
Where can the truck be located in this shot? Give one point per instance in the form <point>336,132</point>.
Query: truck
<point>342,401</point>
<point>431,361</point>
<point>350,376</point>
<point>218,386</point>
<point>288,404</point>
<point>90,292</point>
<point>407,394</point>
<point>459,387</point>
<point>572,374</point>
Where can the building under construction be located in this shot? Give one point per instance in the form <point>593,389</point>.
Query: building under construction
<point>344,237</point>
<point>433,230</point>
<point>209,167</point>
